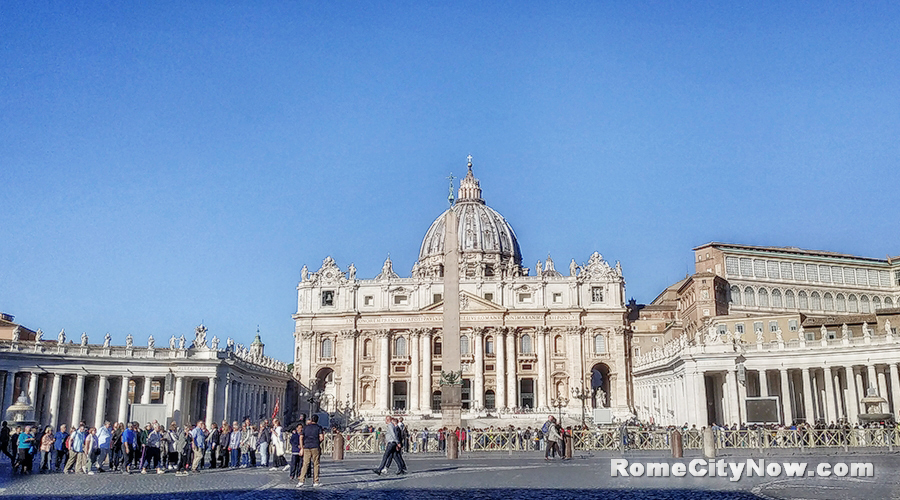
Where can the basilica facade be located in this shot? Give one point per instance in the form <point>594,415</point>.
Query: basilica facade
<point>528,341</point>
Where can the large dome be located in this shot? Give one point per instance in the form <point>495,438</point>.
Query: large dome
<point>482,230</point>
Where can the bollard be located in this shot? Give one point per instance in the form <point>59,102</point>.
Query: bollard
<point>709,443</point>
<point>568,440</point>
<point>337,453</point>
<point>677,444</point>
<point>452,446</point>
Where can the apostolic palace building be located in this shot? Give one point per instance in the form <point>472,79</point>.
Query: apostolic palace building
<point>755,334</point>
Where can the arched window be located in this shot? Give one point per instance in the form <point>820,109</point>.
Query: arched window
<point>876,303</point>
<point>489,346</point>
<point>789,299</point>
<point>815,302</point>
<point>864,304</point>
<point>803,301</point>
<point>888,302</point>
<point>749,299</point>
<point>437,346</point>
<point>829,302</point>
<point>763,297</point>
<point>599,344</point>
<point>840,303</point>
<point>776,298</point>
<point>400,347</point>
<point>463,345</point>
<point>735,295</point>
<point>367,348</point>
<point>489,400</point>
<point>852,303</point>
<point>525,344</point>
<point>558,347</point>
<point>327,348</point>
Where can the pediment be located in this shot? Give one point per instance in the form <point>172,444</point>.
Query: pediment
<point>467,303</point>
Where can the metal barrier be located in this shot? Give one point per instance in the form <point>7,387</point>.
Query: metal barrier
<point>635,439</point>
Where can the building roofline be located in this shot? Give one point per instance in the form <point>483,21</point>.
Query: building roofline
<point>795,251</point>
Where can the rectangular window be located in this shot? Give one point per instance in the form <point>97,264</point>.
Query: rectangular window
<point>837,275</point>
<point>759,268</point>
<point>739,328</point>
<point>597,294</point>
<point>401,300</point>
<point>437,298</point>
<point>861,277</point>
<point>369,300</point>
<point>897,277</point>
<point>757,326</point>
<point>832,334</point>
<point>772,269</point>
<point>825,274</point>
<point>557,298</point>
<point>721,329</point>
<point>849,276</point>
<point>792,325</point>
<point>746,267</point>
<point>637,351</point>
<point>327,298</point>
<point>873,277</point>
<point>884,279</point>
<point>810,336</point>
<point>489,296</point>
<point>786,272</point>
<point>731,266</point>
<point>525,298</point>
<point>799,272</point>
<point>812,272</point>
<point>773,326</point>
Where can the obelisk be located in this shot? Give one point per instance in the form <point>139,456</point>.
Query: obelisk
<point>451,374</point>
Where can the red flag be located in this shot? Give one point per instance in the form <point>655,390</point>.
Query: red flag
<point>275,412</point>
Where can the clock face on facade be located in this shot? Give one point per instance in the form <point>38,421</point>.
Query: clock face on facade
<point>328,274</point>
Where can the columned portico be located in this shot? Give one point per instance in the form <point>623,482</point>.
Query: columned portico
<point>500,367</point>
<point>78,399</point>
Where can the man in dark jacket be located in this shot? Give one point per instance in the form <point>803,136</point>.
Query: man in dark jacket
<point>224,440</point>
<point>212,443</point>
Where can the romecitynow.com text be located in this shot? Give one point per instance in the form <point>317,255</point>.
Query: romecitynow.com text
<point>735,470</point>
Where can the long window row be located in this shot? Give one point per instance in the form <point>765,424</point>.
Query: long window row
<point>814,273</point>
<point>807,301</point>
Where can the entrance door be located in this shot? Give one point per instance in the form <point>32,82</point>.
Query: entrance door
<point>526,393</point>
<point>399,395</point>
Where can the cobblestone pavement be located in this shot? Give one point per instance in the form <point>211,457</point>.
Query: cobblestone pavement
<point>475,477</point>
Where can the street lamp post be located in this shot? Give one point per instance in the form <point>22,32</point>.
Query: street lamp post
<point>559,404</point>
<point>582,394</point>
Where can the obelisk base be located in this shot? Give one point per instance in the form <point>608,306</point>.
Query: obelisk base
<point>451,407</point>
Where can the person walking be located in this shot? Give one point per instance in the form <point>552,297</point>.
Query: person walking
<point>76,450</point>
<point>212,444</point>
<point>4,442</point>
<point>198,445</point>
<point>104,444</point>
<point>129,446</point>
<point>91,451</point>
<point>312,436</point>
<point>152,450</point>
<point>278,441</point>
<point>391,448</point>
<point>172,446</point>
<point>183,444</point>
<point>60,446</point>
<point>24,446</point>
<point>47,442</point>
<point>296,442</point>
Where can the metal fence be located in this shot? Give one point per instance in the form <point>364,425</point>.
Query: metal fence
<point>636,439</point>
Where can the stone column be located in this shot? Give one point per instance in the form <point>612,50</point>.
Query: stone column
<point>808,407</point>
<point>211,401</point>
<point>78,400</point>
<point>839,393</point>
<point>145,394</point>
<point>123,400</point>
<point>179,397</point>
<point>32,388</point>
<point>512,399</point>
<point>9,391</point>
<point>54,401</point>
<point>882,389</point>
<point>763,383</point>
<point>895,389</point>
<point>829,395</point>
<point>734,407</point>
<point>348,365</point>
<point>852,396</point>
<point>100,412</point>
<point>699,386</point>
<point>415,375</point>
<point>872,380</point>
<point>540,340</point>
<point>229,397</point>
<point>478,386</point>
<point>786,404</point>
<point>384,379</point>
<point>426,371</point>
<point>500,368</point>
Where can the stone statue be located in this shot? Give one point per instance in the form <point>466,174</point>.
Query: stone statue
<point>84,338</point>
<point>845,331</point>
<point>865,329</point>
<point>801,334</point>
<point>151,343</point>
<point>106,340</point>
<point>172,342</point>
<point>388,267</point>
<point>39,335</point>
<point>351,272</point>
<point>61,338</point>
<point>215,343</point>
<point>759,336</point>
<point>304,273</point>
<point>824,332</point>
<point>539,270</point>
<point>15,334</point>
<point>200,336</point>
<point>229,344</point>
<point>181,342</point>
<point>511,268</point>
<point>573,268</point>
<point>778,335</point>
<point>887,327</point>
<point>619,268</point>
<point>548,266</point>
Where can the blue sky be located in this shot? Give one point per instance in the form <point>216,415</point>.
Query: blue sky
<point>167,163</point>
